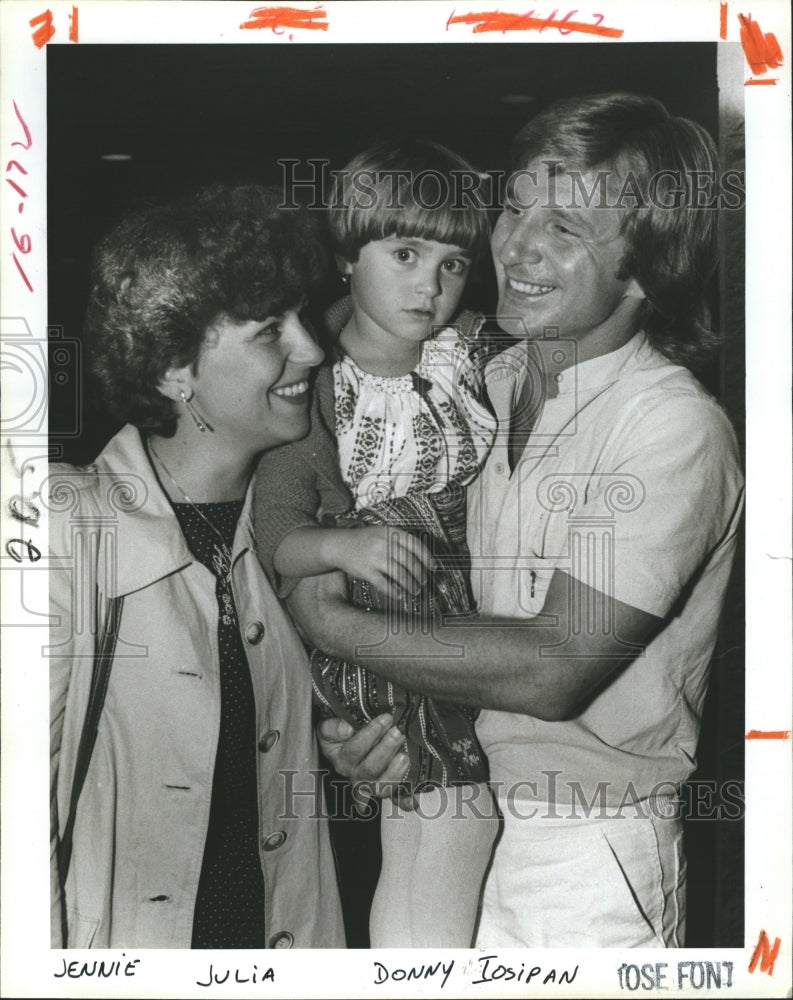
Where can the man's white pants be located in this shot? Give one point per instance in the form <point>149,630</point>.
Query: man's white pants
<point>593,883</point>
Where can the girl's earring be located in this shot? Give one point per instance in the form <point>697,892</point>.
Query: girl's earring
<point>201,424</point>
<point>346,279</point>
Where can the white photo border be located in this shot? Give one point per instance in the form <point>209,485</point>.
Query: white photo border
<point>29,967</point>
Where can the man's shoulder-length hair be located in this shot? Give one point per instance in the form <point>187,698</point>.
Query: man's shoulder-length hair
<point>662,173</point>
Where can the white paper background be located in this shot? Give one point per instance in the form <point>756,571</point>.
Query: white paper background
<point>28,966</point>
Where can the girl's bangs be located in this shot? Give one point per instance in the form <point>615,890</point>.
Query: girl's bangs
<point>446,224</point>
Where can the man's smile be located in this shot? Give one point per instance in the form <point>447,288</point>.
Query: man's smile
<point>528,287</point>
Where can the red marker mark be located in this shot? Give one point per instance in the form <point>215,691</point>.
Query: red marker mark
<point>770,82</point>
<point>24,126</point>
<point>723,21</point>
<point>280,18</point>
<point>23,242</point>
<point>21,271</point>
<point>768,734</point>
<point>765,954</point>
<point>16,187</point>
<point>761,51</point>
<point>74,25</point>
<point>497,21</point>
<point>46,30</point>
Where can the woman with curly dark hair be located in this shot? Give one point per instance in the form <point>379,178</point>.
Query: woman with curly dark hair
<point>173,819</point>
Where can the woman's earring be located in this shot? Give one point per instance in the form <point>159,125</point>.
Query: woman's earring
<point>202,425</point>
<point>346,279</point>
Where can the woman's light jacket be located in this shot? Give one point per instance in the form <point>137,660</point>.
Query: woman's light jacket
<point>143,814</point>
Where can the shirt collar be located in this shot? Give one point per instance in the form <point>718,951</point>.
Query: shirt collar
<point>603,370</point>
<point>507,370</point>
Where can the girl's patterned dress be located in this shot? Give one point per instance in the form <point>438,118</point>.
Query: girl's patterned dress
<point>408,446</point>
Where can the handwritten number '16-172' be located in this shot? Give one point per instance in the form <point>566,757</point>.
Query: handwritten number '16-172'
<point>23,242</point>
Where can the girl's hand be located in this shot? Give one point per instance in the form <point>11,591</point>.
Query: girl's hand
<point>390,559</point>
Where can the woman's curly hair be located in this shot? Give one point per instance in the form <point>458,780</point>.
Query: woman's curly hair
<point>167,272</point>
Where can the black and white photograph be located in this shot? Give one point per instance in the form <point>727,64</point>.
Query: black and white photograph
<point>397,528</point>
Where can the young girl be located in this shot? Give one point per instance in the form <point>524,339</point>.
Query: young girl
<point>398,430</point>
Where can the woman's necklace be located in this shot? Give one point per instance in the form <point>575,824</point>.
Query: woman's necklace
<point>221,560</point>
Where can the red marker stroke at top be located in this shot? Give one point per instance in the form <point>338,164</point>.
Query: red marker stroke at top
<point>761,50</point>
<point>497,20</point>
<point>287,18</point>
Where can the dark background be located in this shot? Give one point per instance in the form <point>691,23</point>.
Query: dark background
<point>189,115</point>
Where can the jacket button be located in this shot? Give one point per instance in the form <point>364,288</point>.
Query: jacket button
<point>282,940</point>
<point>268,741</point>
<point>274,841</point>
<point>254,632</point>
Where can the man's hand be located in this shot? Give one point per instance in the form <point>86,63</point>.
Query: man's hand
<point>372,758</point>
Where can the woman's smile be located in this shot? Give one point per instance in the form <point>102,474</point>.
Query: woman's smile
<point>253,380</point>
<point>294,392</point>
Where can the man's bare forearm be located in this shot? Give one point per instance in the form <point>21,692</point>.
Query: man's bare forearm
<point>502,664</point>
